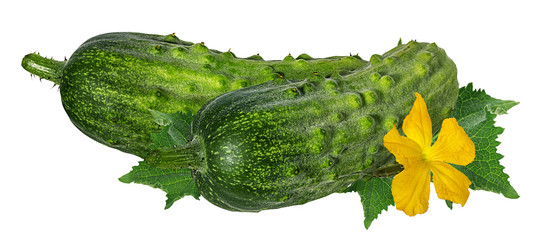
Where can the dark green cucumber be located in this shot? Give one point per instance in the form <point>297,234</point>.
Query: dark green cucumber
<point>112,80</point>
<point>284,143</point>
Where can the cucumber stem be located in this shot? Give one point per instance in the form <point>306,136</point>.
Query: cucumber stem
<point>188,156</point>
<point>45,68</point>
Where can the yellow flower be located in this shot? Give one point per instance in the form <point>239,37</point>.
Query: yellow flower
<point>411,187</point>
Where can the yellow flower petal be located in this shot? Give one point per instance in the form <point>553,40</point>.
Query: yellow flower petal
<point>450,184</point>
<point>417,125</point>
<point>411,189</point>
<point>406,151</point>
<point>453,145</point>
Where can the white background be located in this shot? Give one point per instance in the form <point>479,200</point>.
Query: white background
<point>55,183</point>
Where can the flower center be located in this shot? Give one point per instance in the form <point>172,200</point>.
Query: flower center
<point>426,155</point>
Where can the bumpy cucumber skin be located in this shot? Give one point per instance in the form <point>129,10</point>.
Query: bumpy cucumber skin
<point>285,143</point>
<point>111,81</point>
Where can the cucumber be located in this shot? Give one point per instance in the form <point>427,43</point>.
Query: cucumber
<point>284,143</point>
<point>111,81</point>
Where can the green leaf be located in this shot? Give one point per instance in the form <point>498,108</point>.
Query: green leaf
<point>376,196</point>
<point>177,183</point>
<point>475,112</point>
<point>450,204</point>
<point>174,129</point>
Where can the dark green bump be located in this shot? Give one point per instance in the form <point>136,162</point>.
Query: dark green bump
<point>366,123</point>
<point>267,70</point>
<point>373,149</point>
<point>318,133</point>
<point>222,81</point>
<point>256,57</point>
<point>200,48</point>
<point>292,92</point>
<point>386,81</point>
<point>316,147</point>
<point>424,56</point>
<point>420,70</point>
<point>158,93</point>
<point>375,59</point>
<point>369,96</point>
<point>179,52</point>
<point>336,117</point>
<point>171,38</point>
<point>340,139</point>
<point>315,77</point>
<point>289,58</point>
<point>240,83</point>
<point>156,49</point>
<point>375,77</point>
<point>389,60</point>
<point>304,56</point>
<point>208,59</point>
<point>228,54</point>
<point>301,63</point>
<point>431,46</point>
<point>353,100</point>
<point>330,85</point>
<point>390,122</point>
